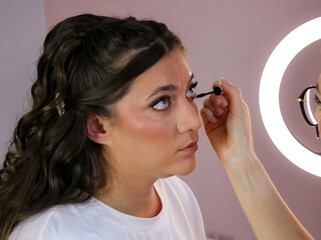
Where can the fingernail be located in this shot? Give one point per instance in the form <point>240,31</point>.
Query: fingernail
<point>227,81</point>
<point>218,111</point>
<point>211,117</point>
<point>216,100</point>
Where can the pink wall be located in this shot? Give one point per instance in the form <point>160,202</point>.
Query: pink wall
<point>223,38</point>
<point>22,31</point>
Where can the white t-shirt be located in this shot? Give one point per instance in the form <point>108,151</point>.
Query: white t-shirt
<point>180,218</point>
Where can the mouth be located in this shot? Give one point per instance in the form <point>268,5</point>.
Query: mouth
<point>191,148</point>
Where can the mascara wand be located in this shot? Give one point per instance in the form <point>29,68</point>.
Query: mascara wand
<point>216,90</point>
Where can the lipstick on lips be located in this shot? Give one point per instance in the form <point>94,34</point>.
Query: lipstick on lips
<point>191,148</point>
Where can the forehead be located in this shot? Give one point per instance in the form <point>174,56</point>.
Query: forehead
<point>171,69</point>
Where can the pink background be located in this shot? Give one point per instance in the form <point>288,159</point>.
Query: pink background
<point>223,38</point>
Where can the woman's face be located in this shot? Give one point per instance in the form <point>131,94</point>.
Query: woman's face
<point>318,110</point>
<point>156,129</point>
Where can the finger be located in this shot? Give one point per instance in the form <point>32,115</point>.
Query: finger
<point>209,104</point>
<point>218,111</point>
<point>224,102</point>
<point>217,83</point>
<point>208,115</point>
<point>215,107</point>
<point>218,101</point>
<point>215,100</point>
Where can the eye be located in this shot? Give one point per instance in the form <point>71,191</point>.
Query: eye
<point>161,103</point>
<point>190,92</point>
<point>316,99</point>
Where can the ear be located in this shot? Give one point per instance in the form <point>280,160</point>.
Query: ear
<point>97,129</point>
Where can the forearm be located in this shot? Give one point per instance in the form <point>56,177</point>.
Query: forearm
<point>229,131</point>
<point>267,213</point>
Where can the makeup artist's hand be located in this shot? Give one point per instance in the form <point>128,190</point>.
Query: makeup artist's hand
<point>228,126</point>
<point>227,122</point>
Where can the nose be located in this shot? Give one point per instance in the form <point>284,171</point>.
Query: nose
<point>188,118</point>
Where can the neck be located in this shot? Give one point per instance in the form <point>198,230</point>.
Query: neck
<point>131,197</point>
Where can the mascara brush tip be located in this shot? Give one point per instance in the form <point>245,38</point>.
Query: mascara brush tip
<point>216,90</point>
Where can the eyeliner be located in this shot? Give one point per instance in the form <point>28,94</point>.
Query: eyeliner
<point>216,90</point>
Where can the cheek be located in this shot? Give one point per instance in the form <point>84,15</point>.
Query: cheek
<point>317,114</point>
<point>195,107</point>
<point>140,128</point>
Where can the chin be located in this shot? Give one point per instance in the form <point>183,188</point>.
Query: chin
<point>187,167</point>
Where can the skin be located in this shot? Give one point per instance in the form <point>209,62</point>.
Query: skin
<point>145,144</point>
<point>228,127</point>
<point>318,110</point>
<point>146,140</point>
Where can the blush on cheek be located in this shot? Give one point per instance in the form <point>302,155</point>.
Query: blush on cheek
<point>143,127</point>
<point>149,128</point>
<point>135,123</point>
<point>149,131</point>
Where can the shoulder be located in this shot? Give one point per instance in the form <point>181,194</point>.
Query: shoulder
<point>32,227</point>
<point>175,190</point>
<point>182,205</point>
<point>171,181</point>
<point>174,185</point>
<point>71,221</point>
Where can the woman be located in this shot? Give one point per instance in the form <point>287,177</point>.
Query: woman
<point>104,127</point>
<point>113,121</point>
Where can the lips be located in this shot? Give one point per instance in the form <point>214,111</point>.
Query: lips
<point>191,148</point>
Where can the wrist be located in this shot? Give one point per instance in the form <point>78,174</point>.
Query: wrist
<point>241,162</point>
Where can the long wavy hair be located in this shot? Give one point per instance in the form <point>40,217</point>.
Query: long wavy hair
<point>88,63</point>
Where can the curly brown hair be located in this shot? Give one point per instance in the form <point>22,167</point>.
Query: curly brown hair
<point>90,62</point>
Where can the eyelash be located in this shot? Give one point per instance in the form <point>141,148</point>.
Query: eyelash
<point>193,85</point>
<point>316,99</point>
<point>163,98</point>
<point>167,98</point>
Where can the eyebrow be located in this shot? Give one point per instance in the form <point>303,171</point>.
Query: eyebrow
<point>168,87</point>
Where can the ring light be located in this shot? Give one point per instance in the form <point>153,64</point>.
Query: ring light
<point>269,90</point>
